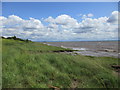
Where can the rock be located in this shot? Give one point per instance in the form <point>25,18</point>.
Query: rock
<point>109,50</point>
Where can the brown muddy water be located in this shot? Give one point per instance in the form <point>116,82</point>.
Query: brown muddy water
<point>91,48</point>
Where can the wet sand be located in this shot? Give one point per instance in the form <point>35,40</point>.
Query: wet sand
<point>91,48</point>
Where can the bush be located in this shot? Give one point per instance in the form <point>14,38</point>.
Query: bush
<point>15,38</point>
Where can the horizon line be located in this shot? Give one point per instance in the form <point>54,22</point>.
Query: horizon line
<point>74,40</point>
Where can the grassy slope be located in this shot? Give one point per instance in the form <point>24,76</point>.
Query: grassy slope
<point>31,65</point>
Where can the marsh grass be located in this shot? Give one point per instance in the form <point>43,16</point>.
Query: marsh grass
<point>34,65</point>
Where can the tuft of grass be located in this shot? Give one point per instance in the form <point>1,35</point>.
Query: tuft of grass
<point>36,65</point>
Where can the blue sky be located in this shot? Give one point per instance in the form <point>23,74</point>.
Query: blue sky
<point>43,10</point>
<point>60,21</point>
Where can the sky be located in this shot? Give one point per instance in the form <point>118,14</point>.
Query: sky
<point>60,21</point>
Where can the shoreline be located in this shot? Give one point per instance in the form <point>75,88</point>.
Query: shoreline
<point>92,49</point>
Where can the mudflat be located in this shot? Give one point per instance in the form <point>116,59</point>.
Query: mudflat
<point>91,48</point>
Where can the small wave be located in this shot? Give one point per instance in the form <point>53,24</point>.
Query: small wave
<point>83,49</point>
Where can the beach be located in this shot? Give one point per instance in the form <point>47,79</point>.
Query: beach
<point>91,48</point>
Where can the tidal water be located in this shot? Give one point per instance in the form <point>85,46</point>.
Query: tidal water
<point>91,48</point>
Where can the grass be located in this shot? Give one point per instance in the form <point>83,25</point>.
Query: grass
<point>36,65</point>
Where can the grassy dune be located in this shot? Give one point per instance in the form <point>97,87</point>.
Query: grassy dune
<point>35,65</point>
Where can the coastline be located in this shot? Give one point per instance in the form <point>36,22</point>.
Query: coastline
<point>91,48</point>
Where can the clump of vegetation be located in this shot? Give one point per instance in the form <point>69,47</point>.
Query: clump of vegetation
<point>15,38</point>
<point>32,65</point>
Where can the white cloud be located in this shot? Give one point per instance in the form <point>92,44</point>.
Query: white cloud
<point>32,23</point>
<point>63,27</point>
<point>84,16</point>
<point>65,21</point>
<point>50,20</point>
<point>114,17</point>
<point>90,15</point>
<point>53,26</point>
<point>87,16</point>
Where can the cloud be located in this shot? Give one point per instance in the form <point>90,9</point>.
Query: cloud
<point>84,16</point>
<point>114,17</point>
<point>50,20</point>
<point>87,16</point>
<point>65,21</point>
<point>63,27</point>
<point>90,15</point>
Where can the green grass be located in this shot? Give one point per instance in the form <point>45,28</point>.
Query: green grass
<point>35,65</point>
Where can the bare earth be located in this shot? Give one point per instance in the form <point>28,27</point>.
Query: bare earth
<point>91,48</point>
